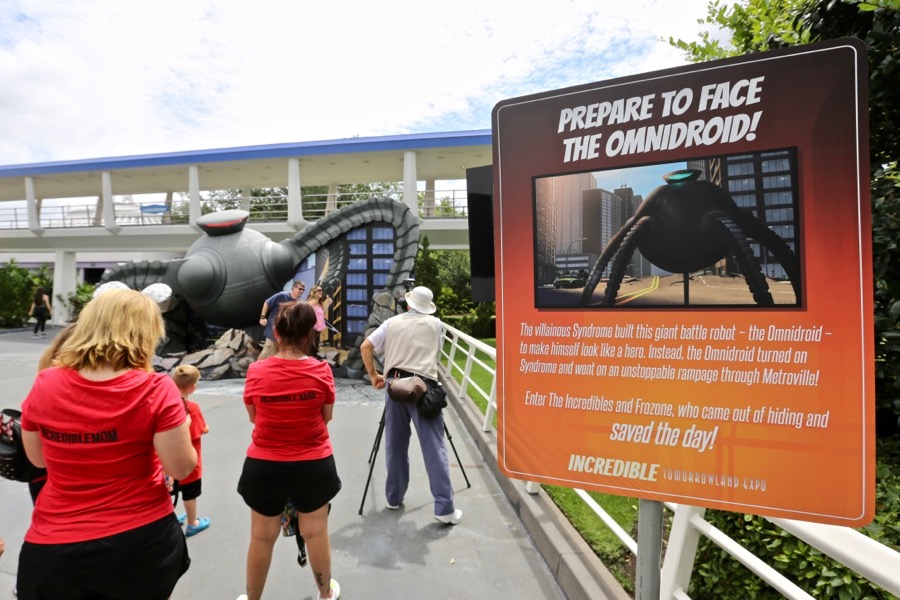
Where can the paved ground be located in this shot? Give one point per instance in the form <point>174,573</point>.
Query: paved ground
<point>381,554</point>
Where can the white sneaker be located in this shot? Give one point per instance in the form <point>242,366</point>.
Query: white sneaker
<point>392,506</point>
<point>452,519</point>
<point>242,597</point>
<point>335,591</point>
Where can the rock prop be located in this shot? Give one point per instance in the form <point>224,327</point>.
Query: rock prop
<point>228,358</point>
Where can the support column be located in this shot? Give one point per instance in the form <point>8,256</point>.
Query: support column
<point>167,216</point>
<point>410,190</point>
<point>246,194</point>
<point>194,211</point>
<point>295,200</point>
<point>331,202</point>
<point>97,220</point>
<point>428,201</point>
<point>34,212</point>
<point>64,284</point>
<point>109,211</point>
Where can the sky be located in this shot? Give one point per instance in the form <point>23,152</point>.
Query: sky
<point>106,78</point>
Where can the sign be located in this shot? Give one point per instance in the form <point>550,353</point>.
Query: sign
<point>154,209</point>
<point>716,348</point>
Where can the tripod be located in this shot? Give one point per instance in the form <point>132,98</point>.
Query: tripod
<point>374,453</point>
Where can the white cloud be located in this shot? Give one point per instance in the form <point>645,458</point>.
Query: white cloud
<point>99,78</point>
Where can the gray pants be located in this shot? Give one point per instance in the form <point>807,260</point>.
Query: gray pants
<point>397,432</point>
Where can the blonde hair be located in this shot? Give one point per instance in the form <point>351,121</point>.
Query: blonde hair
<point>186,376</point>
<point>313,290</point>
<point>119,328</point>
<point>48,358</point>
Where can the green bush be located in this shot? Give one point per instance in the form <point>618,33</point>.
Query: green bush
<point>479,323</point>
<point>77,299</point>
<point>16,289</point>
<point>718,575</point>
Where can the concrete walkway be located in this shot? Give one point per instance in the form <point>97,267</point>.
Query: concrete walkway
<point>386,554</point>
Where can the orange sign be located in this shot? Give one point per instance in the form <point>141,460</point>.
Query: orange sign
<point>684,294</point>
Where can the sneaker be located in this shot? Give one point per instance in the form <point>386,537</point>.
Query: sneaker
<point>393,506</point>
<point>34,337</point>
<point>43,334</point>
<point>335,591</point>
<point>242,597</point>
<point>203,523</point>
<point>452,519</point>
<point>182,518</point>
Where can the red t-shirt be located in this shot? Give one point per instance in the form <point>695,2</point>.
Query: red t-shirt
<point>103,475</point>
<point>288,396</point>
<point>198,428</point>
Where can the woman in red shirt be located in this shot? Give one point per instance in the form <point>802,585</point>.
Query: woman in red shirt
<point>105,426</point>
<point>290,399</point>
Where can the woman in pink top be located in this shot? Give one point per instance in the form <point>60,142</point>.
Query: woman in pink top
<point>320,303</point>
<point>105,426</point>
<point>290,400</point>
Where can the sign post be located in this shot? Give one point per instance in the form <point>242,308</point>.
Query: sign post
<point>720,352</point>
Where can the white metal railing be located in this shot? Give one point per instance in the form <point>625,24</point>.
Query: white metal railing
<point>463,355</point>
<point>438,204</point>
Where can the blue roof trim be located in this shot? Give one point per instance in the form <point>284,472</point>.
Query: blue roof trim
<point>481,137</point>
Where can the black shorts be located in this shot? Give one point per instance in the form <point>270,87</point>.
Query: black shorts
<point>188,491</point>
<point>266,485</point>
<point>143,563</point>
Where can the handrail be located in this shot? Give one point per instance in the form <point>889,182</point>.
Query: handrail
<point>439,204</point>
<point>869,558</point>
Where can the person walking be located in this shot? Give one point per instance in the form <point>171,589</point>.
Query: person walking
<point>410,343</point>
<point>320,303</point>
<point>267,316</point>
<point>105,426</point>
<point>41,311</point>
<point>290,400</point>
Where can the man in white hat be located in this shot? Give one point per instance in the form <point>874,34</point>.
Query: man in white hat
<point>410,343</point>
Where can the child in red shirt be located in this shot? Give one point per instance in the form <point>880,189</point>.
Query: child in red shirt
<point>186,378</point>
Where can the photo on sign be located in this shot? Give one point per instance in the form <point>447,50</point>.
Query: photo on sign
<point>709,232</point>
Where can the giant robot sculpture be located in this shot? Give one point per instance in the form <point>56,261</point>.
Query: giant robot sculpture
<point>227,274</point>
<point>686,225</point>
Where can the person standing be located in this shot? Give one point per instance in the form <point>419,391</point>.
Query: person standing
<point>106,426</point>
<point>290,400</point>
<point>320,303</point>
<point>41,311</point>
<point>410,343</point>
<point>186,378</point>
<point>267,316</point>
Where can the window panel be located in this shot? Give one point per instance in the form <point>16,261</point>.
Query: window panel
<point>741,185</point>
<point>775,198</point>
<point>776,181</point>
<point>775,165</point>
<point>358,264</point>
<point>745,200</point>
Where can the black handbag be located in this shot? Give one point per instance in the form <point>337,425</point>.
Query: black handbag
<point>433,400</point>
<point>13,462</point>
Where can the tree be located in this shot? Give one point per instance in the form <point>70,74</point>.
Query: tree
<point>759,25</point>
<point>426,269</point>
<point>455,275</point>
<point>16,291</point>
